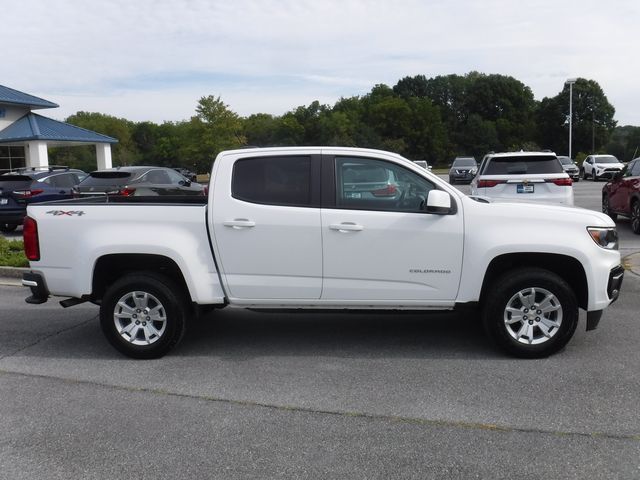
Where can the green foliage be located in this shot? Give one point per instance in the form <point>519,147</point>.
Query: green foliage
<point>434,119</point>
<point>12,253</point>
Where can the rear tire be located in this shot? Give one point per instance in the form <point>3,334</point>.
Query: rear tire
<point>530,313</point>
<point>143,315</point>
<point>7,227</point>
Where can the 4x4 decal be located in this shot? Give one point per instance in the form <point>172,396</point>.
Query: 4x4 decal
<point>61,213</point>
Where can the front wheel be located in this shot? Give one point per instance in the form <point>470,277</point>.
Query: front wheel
<point>635,217</point>
<point>594,177</point>
<point>606,208</point>
<point>584,174</point>
<point>530,313</point>
<point>143,315</point>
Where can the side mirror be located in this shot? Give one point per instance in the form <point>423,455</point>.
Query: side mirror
<point>438,202</point>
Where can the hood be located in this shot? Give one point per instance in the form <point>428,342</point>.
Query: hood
<point>549,213</point>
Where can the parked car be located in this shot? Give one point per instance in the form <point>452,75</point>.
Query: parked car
<point>185,172</point>
<point>621,196</point>
<point>423,164</point>
<point>601,166</point>
<point>463,169</point>
<point>570,167</point>
<point>21,187</point>
<point>523,176</point>
<point>137,181</point>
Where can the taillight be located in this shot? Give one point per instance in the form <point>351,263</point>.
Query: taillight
<point>30,238</point>
<point>488,183</point>
<point>127,192</point>
<point>562,182</point>
<point>388,191</point>
<point>205,190</point>
<point>28,193</point>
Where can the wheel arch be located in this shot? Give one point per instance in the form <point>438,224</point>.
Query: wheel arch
<point>566,267</point>
<point>108,268</point>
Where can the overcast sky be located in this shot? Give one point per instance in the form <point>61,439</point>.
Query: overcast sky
<point>154,59</point>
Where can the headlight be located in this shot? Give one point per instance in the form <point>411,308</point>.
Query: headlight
<point>474,171</point>
<point>605,237</point>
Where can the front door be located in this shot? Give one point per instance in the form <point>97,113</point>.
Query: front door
<point>379,244</point>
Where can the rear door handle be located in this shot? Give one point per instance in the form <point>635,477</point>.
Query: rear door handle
<point>239,223</point>
<point>346,227</point>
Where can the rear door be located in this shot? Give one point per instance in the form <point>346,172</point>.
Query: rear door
<point>386,250</point>
<point>266,226</point>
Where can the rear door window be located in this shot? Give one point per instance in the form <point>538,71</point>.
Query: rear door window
<point>273,180</point>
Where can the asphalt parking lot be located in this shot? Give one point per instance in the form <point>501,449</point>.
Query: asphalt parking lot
<point>254,395</point>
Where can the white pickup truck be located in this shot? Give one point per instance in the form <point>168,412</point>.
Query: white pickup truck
<point>324,228</point>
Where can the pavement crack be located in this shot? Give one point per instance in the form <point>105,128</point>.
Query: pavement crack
<point>51,335</point>
<point>339,413</point>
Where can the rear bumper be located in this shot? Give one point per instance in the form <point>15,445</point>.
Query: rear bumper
<point>14,217</point>
<point>39,292</point>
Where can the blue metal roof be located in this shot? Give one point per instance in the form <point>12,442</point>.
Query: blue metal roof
<point>36,127</point>
<point>14,97</point>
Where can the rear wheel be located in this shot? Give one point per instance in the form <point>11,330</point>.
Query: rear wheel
<point>530,313</point>
<point>635,217</point>
<point>606,208</point>
<point>7,227</point>
<point>143,315</point>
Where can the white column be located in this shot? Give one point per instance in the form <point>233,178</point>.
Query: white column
<point>37,155</point>
<point>103,154</point>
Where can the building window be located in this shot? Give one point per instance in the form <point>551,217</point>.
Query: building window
<point>11,157</point>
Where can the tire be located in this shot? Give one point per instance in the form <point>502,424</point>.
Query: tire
<point>584,174</point>
<point>507,313</point>
<point>635,217</point>
<point>452,181</point>
<point>606,209</point>
<point>594,177</point>
<point>128,329</point>
<point>7,227</point>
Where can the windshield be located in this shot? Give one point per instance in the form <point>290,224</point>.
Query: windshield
<point>606,159</point>
<point>522,165</point>
<point>464,162</point>
<point>565,160</point>
<point>102,179</point>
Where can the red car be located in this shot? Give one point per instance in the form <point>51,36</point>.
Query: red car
<point>621,196</point>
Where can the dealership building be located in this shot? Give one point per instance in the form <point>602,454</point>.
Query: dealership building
<point>25,136</point>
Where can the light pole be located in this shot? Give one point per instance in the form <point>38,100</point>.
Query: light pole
<point>570,82</point>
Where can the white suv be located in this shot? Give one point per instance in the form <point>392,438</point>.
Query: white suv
<point>523,176</point>
<point>601,166</point>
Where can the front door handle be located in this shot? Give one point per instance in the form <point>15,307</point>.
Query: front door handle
<point>239,223</point>
<point>346,227</point>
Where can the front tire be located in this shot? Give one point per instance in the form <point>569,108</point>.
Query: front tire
<point>584,174</point>
<point>635,217</point>
<point>606,208</point>
<point>530,313</point>
<point>143,315</point>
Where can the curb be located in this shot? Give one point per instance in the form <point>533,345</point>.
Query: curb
<point>12,272</point>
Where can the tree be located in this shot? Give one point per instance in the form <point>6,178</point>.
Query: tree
<point>593,120</point>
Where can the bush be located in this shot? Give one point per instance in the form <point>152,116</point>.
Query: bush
<point>12,253</point>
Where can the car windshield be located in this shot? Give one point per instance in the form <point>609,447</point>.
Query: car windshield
<point>521,165</point>
<point>464,162</point>
<point>565,160</point>
<point>606,159</point>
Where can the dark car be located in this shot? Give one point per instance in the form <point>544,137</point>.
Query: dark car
<point>621,196</point>
<point>19,188</point>
<point>185,172</point>
<point>463,169</point>
<point>137,181</point>
<point>570,167</point>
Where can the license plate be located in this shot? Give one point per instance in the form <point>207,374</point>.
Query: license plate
<point>4,201</point>
<point>521,188</point>
<point>354,195</point>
